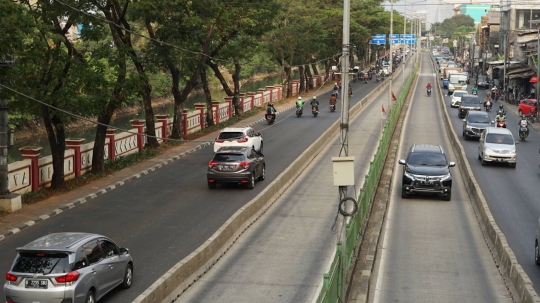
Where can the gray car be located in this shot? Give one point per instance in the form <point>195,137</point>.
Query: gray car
<point>68,268</point>
<point>497,145</point>
<point>468,102</point>
<point>475,123</point>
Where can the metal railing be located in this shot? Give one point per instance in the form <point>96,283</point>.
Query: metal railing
<point>332,281</point>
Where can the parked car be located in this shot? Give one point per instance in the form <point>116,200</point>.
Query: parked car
<point>475,123</point>
<point>482,82</point>
<point>239,136</point>
<point>68,267</point>
<point>456,98</point>
<point>468,102</point>
<point>526,106</point>
<point>426,170</point>
<point>236,164</point>
<point>497,145</point>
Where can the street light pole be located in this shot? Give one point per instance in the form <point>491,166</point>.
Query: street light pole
<point>390,55</point>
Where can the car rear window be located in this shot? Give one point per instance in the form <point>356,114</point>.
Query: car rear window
<point>470,100</point>
<point>459,94</point>
<point>500,139</point>
<point>41,263</point>
<point>228,158</point>
<point>479,119</point>
<point>428,159</point>
<point>230,135</point>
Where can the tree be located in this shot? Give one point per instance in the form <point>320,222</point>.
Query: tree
<point>448,26</point>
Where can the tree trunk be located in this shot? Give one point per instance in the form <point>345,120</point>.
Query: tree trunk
<point>98,153</point>
<point>288,81</point>
<point>178,120</point>
<point>315,69</point>
<point>302,78</point>
<point>208,96</point>
<point>309,78</point>
<point>57,142</point>
<point>238,108</point>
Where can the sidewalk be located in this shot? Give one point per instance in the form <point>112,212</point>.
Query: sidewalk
<point>32,213</point>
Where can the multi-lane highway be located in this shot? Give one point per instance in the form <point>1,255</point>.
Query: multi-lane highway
<point>164,216</point>
<point>512,194</point>
<point>433,250</point>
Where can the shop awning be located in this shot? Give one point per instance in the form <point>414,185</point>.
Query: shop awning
<point>518,71</point>
<point>522,75</point>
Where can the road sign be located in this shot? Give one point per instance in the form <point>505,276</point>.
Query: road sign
<point>379,36</point>
<point>395,36</point>
<point>407,36</point>
<point>378,41</point>
<point>395,41</point>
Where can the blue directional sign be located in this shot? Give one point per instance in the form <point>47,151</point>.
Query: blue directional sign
<point>395,41</point>
<point>408,36</point>
<point>379,36</point>
<point>378,40</point>
<point>395,36</point>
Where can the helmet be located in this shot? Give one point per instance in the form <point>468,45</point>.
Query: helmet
<point>501,106</point>
<point>299,98</point>
<point>499,112</point>
<point>429,83</point>
<point>314,97</point>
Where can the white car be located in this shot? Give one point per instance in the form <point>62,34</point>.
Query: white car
<point>386,69</point>
<point>239,136</point>
<point>497,145</point>
<point>456,98</point>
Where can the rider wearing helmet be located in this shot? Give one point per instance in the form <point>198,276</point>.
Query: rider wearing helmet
<point>428,85</point>
<point>315,103</point>
<point>501,109</point>
<point>500,116</point>
<point>299,102</point>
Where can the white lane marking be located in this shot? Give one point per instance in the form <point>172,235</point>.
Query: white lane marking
<point>391,201</point>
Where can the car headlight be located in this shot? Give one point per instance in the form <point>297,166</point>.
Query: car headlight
<point>468,127</point>
<point>479,108</point>
<point>514,151</point>
<point>409,175</point>
<point>446,177</point>
<point>488,150</point>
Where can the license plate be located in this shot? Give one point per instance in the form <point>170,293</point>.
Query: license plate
<point>36,283</point>
<point>499,160</point>
<point>227,167</point>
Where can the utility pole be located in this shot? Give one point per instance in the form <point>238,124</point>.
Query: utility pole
<point>390,56</point>
<point>8,202</point>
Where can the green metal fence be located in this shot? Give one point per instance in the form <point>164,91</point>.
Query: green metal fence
<point>332,281</point>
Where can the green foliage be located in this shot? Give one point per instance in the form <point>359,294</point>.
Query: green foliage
<point>447,28</point>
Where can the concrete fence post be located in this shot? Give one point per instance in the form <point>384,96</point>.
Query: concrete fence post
<point>164,127</point>
<point>215,105</point>
<point>139,125</point>
<point>32,153</point>
<point>75,144</point>
<point>271,90</point>
<point>200,107</point>
<point>112,143</point>
<point>184,124</point>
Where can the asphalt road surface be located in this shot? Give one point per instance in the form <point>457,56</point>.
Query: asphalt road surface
<point>511,193</point>
<point>432,250</point>
<point>164,216</point>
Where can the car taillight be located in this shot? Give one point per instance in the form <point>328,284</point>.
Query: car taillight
<point>212,164</point>
<point>11,277</point>
<point>243,140</point>
<point>244,164</point>
<point>70,277</point>
<point>219,141</point>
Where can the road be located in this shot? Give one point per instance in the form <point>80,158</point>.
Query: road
<point>164,216</point>
<point>512,194</point>
<point>432,250</point>
<point>282,257</point>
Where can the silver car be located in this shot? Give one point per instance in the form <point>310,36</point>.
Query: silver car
<point>68,268</point>
<point>497,145</point>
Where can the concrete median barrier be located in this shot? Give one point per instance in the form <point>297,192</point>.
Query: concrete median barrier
<point>173,283</point>
<point>517,281</point>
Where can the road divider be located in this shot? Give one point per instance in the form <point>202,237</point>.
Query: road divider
<point>182,275</point>
<point>515,278</point>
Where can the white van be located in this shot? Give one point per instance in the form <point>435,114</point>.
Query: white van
<point>457,82</point>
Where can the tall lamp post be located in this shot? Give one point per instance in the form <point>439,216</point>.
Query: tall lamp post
<point>404,24</point>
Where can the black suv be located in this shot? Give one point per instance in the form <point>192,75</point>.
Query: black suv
<point>426,170</point>
<point>468,102</point>
<point>236,164</point>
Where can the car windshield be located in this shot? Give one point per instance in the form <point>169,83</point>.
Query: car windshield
<point>479,119</point>
<point>41,263</point>
<point>230,135</point>
<point>428,159</point>
<point>228,158</point>
<point>500,139</point>
<point>459,94</point>
<point>481,78</point>
<point>470,100</point>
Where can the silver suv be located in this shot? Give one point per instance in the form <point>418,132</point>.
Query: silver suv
<point>68,268</point>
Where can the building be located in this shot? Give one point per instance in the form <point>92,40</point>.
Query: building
<point>437,11</point>
<point>475,11</point>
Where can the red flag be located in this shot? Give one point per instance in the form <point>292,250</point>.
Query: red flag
<point>393,96</point>
<point>383,111</point>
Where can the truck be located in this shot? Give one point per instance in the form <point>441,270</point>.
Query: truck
<point>457,81</point>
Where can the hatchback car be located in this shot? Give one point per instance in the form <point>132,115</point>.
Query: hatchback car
<point>526,106</point>
<point>239,136</point>
<point>426,170</point>
<point>482,82</point>
<point>236,164</point>
<point>468,102</point>
<point>68,267</point>
<point>475,123</point>
<point>456,98</point>
<point>497,145</point>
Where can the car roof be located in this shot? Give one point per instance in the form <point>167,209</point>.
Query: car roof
<point>427,148</point>
<point>234,129</point>
<point>498,130</point>
<point>66,241</point>
<point>477,113</point>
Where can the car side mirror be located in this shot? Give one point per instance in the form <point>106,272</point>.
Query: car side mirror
<point>481,139</point>
<point>124,251</point>
<point>451,164</point>
<point>492,122</point>
<point>259,134</point>
<point>517,142</point>
<point>464,120</point>
<point>401,161</point>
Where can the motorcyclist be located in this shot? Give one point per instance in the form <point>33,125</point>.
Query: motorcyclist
<point>487,103</point>
<point>524,123</point>
<point>339,84</point>
<point>336,88</point>
<point>428,85</point>
<point>350,90</point>
<point>501,109</point>
<point>271,109</point>
<point>333,99</point>
<point>315,103</point>
<point>299,103</point>
<point>475,90</point>
<point>500,116</point>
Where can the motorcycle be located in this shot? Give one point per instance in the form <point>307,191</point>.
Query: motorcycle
<point>270,116</point>
<point>429,92</point>
<point>365,79</point>
<point>523,132</point>
<point>332,107</point>
<point>377,78</point>
<point>501,123</point>
<point>298,111</point>
<point>487,106</point>
<point>315,110</point>
<point>475,92</point>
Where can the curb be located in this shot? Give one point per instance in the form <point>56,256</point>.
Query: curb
<point>102,191</point>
